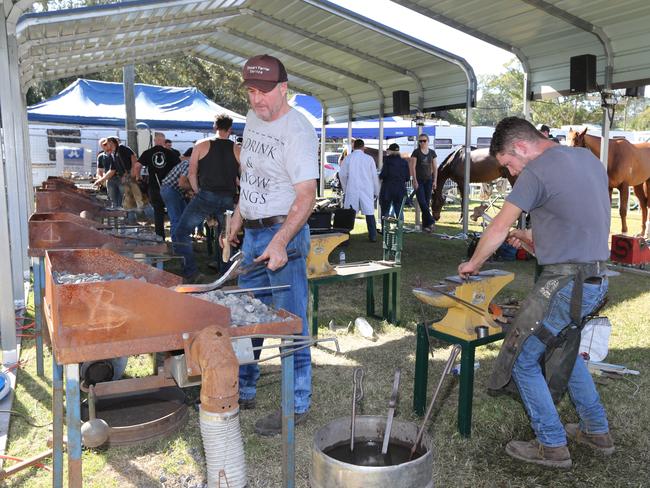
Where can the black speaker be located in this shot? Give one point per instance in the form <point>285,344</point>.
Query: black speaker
<point>401,102</point>
<point>635,91</point>
<point>583,74</point>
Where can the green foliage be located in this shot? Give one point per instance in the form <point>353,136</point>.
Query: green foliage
<point>501,96</point>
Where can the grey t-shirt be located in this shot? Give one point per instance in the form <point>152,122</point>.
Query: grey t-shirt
<point>565,191</point>
<point>423,164</point>
<point>274,157</point>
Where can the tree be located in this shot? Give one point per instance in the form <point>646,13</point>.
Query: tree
<point>502,96</point>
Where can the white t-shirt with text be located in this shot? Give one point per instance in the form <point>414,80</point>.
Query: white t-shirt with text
<point>274,157</point>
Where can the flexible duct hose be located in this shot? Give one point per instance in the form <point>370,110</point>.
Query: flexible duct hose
<point>224,449</point>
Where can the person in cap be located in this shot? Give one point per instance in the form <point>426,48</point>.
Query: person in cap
<point>394,176</point>
<point>565,191</point>
<point>360,184</point>
<point>279,169</point>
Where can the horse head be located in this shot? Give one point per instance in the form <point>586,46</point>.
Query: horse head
<point>575,138</point>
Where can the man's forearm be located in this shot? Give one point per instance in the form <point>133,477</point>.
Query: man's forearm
<point>194,182</point>
<point>490,241</point>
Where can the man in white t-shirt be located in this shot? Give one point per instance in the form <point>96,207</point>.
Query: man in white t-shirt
<point>279,169</point>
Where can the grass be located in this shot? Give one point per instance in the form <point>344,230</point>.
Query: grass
<point>478,462</point>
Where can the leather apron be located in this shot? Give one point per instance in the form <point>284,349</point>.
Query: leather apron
<point>561,350</point>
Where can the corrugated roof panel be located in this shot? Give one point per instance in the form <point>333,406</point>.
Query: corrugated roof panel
<point>548,41</point>
<point>332,57</point>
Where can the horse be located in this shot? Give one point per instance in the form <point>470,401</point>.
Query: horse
<point>627,165</point>
<point>483,168</point>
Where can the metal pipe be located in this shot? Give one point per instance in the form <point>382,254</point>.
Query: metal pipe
<point>212,351</point>
<point>288,421</point>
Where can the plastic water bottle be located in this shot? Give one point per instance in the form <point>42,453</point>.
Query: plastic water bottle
<point>456,369</point>
<point>341,257</point>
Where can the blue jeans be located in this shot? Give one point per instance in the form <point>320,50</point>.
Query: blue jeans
<point>423,194</point>
<point>175,204</point>
<point>115,191</point>
<point>371,223</point>
<point>205,203</point>
<point>527,373</point>
<point>293,300</point>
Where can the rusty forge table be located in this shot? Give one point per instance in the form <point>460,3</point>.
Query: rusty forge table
<point>65,230</point>
<point>107,319</point>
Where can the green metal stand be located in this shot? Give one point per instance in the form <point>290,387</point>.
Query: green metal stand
<point>391,292</point>
<point>466,384</point>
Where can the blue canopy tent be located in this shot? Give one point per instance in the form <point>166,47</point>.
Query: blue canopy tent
<point>101,103</point>
<point>394,127</point>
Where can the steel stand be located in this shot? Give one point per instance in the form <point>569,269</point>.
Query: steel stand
<point>466,383</point>
<point>38,270</point>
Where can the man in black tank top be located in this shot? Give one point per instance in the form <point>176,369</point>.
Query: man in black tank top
<point>213,174</point>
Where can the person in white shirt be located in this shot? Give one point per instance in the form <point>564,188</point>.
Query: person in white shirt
<point>361,185</point>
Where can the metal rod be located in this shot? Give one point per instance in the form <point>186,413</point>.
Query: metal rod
<point>392,403</point>
<point>57,424</point>
<point>357,396</point>
<point>73,419</point>
<point>452,357</point>
<point>288,406</point>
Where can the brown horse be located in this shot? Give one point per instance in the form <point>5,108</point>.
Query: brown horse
<point>627,165</point>
<point>483,168</point>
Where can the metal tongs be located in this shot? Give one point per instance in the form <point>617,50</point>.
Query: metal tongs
<point>236,269</point>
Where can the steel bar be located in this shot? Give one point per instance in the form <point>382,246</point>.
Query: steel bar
<point>73,421</point>
<point>357,396</point>
<point>57,425</point>
<point>288,406</point>
<point>392,404</point>
<point>37,270</point>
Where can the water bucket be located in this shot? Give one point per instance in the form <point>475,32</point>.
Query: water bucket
<point>328,471</point>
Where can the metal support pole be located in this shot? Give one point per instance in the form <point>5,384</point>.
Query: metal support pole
<point>57,424</point>
<point>468,150</point>
<point>23,163</point>
<point>380,155</point>
<point>323,136</point>
<point>73,420</point>
<point>12,214</point>
<point>37,269</point>
<point>7,311</point>
<point>288,408</point>
<point>128,77</point>
<point>350,130</point>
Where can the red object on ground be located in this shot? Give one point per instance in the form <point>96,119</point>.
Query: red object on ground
<point>629,250</point>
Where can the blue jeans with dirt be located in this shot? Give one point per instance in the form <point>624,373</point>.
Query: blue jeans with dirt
<point>175,204</point>
<point>527,373</point>
<point>204,204</point>
<point>115,191</point>
<point>292,300</point>
<point>423,194</point>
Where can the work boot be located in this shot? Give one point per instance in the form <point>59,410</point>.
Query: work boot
<point>272,423</point>
<point>534,452</point>
<point>601,443</point>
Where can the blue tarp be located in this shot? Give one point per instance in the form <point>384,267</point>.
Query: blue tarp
<point>101,103</point>
<point>364,129</point>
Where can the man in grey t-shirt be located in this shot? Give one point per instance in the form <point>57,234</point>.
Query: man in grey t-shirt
<point>279,169</point>
<point>565,191</point>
